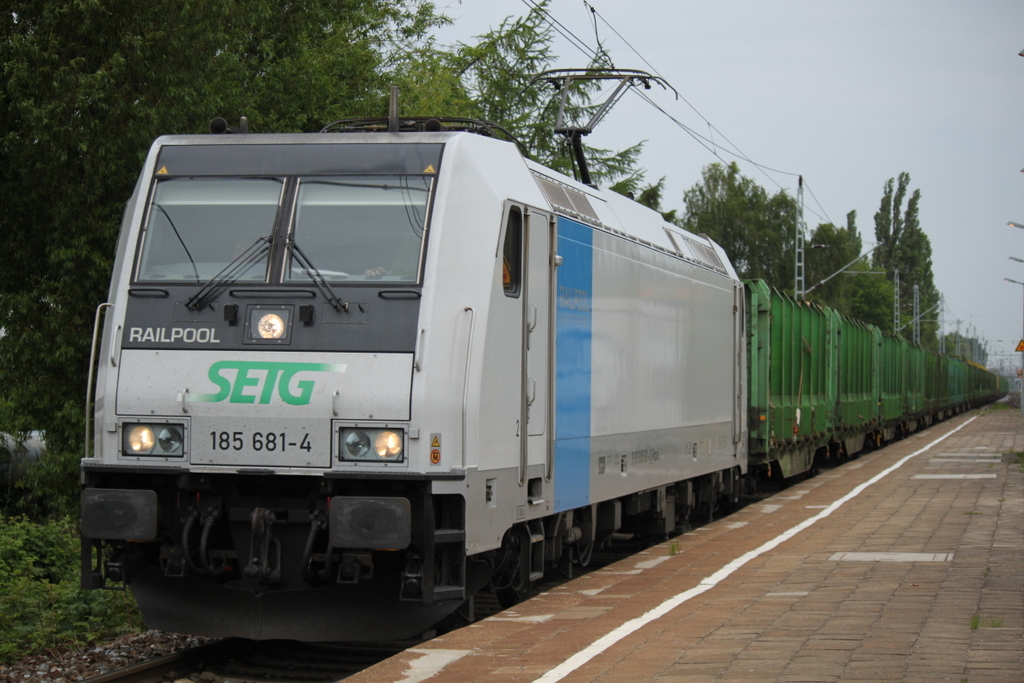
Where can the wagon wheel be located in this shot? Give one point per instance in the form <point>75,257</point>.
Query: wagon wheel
<point>512,579</point>
<point>583,552</point>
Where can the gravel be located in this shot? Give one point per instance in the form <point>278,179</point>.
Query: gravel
<point>67,665</point>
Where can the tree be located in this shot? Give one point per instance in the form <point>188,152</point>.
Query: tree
<point>651,196</point>
<point>827,252</point>
<point>85,88</point>
<point>905,248</point>
<point>497,72</point>
<point>755,229</point>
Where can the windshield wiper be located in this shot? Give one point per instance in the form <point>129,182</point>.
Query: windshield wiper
<point>178,235</point>
<point>230,273</point>
<point>316,276</point>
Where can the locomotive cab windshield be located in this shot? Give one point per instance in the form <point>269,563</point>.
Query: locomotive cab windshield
<point>212,222</point>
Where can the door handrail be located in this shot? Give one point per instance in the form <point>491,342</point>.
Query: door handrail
<point>465,380</point>
<point>92,365</point>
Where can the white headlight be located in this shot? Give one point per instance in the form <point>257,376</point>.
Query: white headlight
<point>372,445</point>
<point>388,445</point>
<point>155,440</point>
<point>141,440</point>
<point>271,326</point>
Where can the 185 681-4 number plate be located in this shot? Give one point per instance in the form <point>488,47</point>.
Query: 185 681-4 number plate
<point>270,443</point>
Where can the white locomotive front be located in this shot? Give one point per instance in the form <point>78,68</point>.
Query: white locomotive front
<point>348,380</point>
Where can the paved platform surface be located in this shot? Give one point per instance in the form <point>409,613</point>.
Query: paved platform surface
<point>906,564</point>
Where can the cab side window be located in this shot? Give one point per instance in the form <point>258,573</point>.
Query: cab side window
<point>512,254</point>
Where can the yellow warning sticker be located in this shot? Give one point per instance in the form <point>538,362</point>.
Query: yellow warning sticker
<point>435,449</point>
<point>1020,347</point>
<point>163,171</point>
<point>429,169</point>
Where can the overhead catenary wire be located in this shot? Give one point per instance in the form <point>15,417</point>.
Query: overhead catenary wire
<point>708,143</point>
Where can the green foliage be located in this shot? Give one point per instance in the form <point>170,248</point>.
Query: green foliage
<point>858,291</point>
<point>86,86</point>
<point>827,251</point>
<point>650,196</point>
<point>906,248</point>
<point>41,604</point>
<point>755,229</point>
<point>966,346</point>
<point>870,299</point>
<point>497,72</point>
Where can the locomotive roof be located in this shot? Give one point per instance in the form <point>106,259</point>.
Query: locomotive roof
<point>598,206</point>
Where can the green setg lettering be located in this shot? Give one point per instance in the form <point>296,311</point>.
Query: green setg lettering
<point>233,377</point>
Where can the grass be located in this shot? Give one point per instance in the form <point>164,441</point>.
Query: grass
<point>978,621</point>
<point>42,606</point>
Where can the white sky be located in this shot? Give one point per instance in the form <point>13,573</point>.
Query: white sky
<point>848,94</point>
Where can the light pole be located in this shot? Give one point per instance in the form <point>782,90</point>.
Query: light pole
<point>1021,382</point>
<point>1011,223</point>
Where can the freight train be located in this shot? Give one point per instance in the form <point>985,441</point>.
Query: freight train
<point>347,380</point>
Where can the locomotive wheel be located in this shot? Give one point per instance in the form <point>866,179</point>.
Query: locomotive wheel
<point>514,574</point>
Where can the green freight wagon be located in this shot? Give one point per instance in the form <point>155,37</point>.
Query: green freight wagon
<point>957,396</point>
<point>892,400</point>
<point>856,366</point>
<point>917,389</point>
<point>792,388</point>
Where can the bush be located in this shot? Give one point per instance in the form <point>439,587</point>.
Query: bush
<point>41,603</point>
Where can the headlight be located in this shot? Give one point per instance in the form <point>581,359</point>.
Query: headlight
<point>170,439</point>
<point>160,440</point>
<point>357,444</point>
<point>372,445</point>
<point>140,440</point>
<point>270,326</point>
<point>388,445</point>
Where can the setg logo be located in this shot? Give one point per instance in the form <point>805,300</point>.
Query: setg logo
<point>234,377</point>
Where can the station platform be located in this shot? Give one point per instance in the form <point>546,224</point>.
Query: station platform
<point>906,564</point>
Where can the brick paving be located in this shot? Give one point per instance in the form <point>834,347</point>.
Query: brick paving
<point>800,611</point>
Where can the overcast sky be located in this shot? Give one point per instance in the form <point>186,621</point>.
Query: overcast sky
<point>848,94</point>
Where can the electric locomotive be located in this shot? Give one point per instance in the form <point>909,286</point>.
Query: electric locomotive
<point>347,380</point>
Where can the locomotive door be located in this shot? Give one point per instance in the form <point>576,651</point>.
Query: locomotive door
<point>536,341</point>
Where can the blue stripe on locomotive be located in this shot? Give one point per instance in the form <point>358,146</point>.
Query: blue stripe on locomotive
<point>574,332</point>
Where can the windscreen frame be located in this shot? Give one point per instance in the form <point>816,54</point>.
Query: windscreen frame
<point>292,164</point>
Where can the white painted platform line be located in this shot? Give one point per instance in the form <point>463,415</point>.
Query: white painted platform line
<point>430,663</point>
<point>649,564</point>
<point>973,461</point>
<point>891,557</point>
<point>707,583</point>
<point>954,476</point>
<point>988,454</point>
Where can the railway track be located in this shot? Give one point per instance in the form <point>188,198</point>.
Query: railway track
<point>236,660</point>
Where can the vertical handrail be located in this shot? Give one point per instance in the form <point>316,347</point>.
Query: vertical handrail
<point>465,380</point>
<point>740,344</point>
<point>92,364</point>
<point>524,350</point>
<point>554,260</point>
